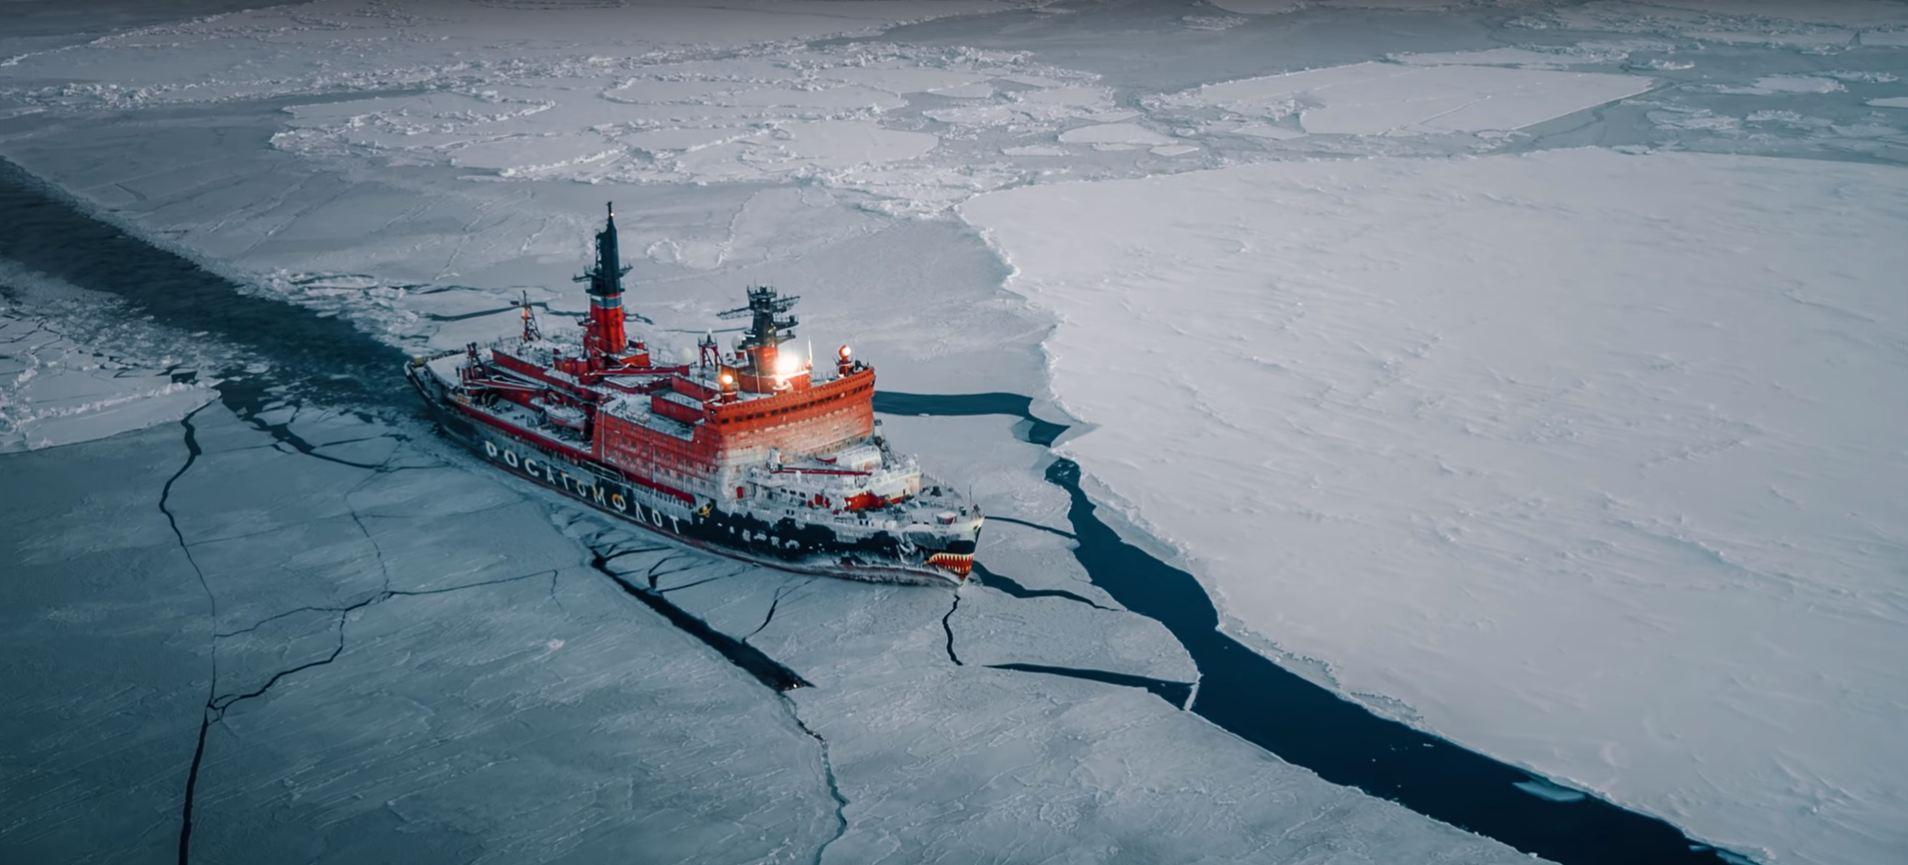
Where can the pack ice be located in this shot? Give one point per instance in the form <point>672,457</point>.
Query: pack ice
<point>1592,460</point>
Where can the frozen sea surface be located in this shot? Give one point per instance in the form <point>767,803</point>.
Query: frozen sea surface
<point>1390,99</point>
<point>1571,442</point>
<point>73,367</point>
<point>383,650</point>
<point>301,632</point>
<point>408,172</point>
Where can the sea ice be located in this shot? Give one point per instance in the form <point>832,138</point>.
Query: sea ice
<point>383,185</point>
<point>1277,7</point>
<point>1590,53</point>
<point>1034,150</point>
<point>1262,7</point>
<point>1821,26</point>
<point>1114,133</point>
<point>595,95</point>
<point>403,659</point>
<point>1381,98</point>
<point>1581,456</point>
<point>1771,84</point>
<point>66,376</point>
<point>1258,130</point>
<point>939,761</point>
<point>1549,792</point>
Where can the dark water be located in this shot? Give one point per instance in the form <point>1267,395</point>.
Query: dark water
<point>329,360</point>
<point>1303,723</point>
<point>310,353</point>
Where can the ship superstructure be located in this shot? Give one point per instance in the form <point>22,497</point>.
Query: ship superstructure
<point>756,453</point>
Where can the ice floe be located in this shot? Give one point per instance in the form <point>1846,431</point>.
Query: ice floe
<point>1114,134</point>
<point>1383,98</point>
<point>1579,455</point>
<point>1770,84</point>
<point>1828,25</point>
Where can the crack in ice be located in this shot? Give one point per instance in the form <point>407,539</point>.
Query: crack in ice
<point>205,720</point>
<point>747,658</point>
<point>764,669</point>
<point>948,628</point>
<point>737,572</point>
<point>828,775</point>
<point>224,702</point>
<point>1014,589</point>
<point>780,593</point>
<point>217,705</point>
<point>1032,525</point>
<point>1175,693</point>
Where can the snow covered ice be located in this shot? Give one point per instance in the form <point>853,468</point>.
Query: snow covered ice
<point>1523,372</point>
<point>1382,98</point>
<point>1489,441</point>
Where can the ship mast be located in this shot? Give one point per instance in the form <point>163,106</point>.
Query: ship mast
<point>767,331</point>
<point>604,339</point>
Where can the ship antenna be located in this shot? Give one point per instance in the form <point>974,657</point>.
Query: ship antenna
<point>531,333</point>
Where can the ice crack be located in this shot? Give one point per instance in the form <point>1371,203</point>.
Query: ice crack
<point>702,581</point>
<point>219,704</point>
<point>1176,693</point>
<point>745,657</point>
<point>205,719</point>
<point>216,704</point>
<point>780,593</point>
<point>165,507</point>
<point>948,628</point>
<point>1032,525</point>
<point>191,790</point>
<point>653,576</point>
<point>1016,590</point>
<point>384,567</point>
<point>828,775</point>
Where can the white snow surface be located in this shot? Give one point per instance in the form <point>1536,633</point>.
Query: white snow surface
<point>647,93</point>
<point>1104,134</point>
<point>1387,98</point>
<point>1591,460</point>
